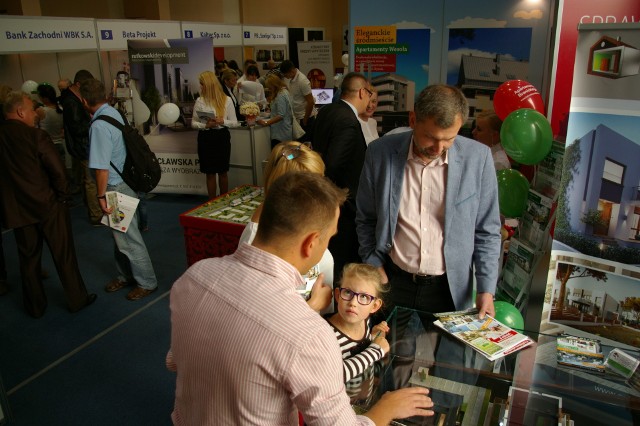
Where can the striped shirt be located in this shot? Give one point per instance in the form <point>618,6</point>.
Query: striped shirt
<point>357,355</point>
<point>248,349</point>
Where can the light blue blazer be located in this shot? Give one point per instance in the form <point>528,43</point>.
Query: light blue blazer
<point>472,217</point>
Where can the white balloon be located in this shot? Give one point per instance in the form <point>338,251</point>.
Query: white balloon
<point>168,114</point>
<point>29,86</point>
<point>345,59</point>
<point>141,112</point>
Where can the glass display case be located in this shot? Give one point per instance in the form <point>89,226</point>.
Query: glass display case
<point>527,387</point>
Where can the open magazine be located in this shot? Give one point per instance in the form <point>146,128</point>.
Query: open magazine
<point>488,336</point>
<point>124,207</point>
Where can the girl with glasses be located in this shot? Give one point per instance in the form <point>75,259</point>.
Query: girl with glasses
<point>358,297</point>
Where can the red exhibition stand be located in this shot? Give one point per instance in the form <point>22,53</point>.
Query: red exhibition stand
<point>213,229</point>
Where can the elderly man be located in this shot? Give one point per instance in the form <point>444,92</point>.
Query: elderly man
<point>428,209</point>
<point>34,194</point>
<point>274,355</point>
<point>340,141</point>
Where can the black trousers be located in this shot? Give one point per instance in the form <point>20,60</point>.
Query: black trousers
<point>308,129</point>
<point>344,245</point>
<point>3,265</point>
<point>422,294</point>
<point>56,231</point>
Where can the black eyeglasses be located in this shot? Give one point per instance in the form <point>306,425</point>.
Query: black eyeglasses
<point>362,298</point>
<point>368,91</point>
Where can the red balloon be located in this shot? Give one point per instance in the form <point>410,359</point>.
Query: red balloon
<point>515,94</point>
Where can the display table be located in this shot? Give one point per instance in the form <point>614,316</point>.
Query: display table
<point>177,152</point>
<point>213,229</point>
<point>524,388</point>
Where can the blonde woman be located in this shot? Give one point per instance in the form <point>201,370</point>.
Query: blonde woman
<point>212,113</point>
<point>297,157</point>
<point>281,120</point>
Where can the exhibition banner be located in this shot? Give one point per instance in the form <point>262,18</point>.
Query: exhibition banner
<point>316,62</point>
<point>113,34</point>
<point>180,172</point>
<point>26,34</point>
<point>167,72</point>
<point>594,277</point>
<point>260,35</point>
<point>570,14</point>
<point>222,35</point>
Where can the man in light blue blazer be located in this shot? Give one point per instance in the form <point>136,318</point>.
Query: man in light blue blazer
<point>427,209</point>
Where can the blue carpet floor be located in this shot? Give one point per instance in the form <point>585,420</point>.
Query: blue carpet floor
<point>105,364</point>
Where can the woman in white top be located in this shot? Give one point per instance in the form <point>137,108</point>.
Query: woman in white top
<point>213,112</point>
<point>297,157</point>
<point>250,90</point>
<point>368,123</point>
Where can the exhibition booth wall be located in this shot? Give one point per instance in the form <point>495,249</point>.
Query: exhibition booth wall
<point>45,49</point>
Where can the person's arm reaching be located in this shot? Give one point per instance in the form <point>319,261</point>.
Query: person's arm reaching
<point>308,108</point>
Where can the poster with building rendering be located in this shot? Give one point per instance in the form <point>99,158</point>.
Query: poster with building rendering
<point>593,286</point>
<point>414,44</point>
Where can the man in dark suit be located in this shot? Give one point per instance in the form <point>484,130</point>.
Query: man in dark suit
<point>338,138</point>
<point>76,134</point>
<point>34,193</point>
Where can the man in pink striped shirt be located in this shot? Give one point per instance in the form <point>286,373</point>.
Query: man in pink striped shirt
<point>247,348</point>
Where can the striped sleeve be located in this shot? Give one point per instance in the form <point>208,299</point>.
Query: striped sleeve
<point>357,364</point>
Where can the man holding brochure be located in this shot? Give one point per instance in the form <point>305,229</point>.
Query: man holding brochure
<point>107,146</point>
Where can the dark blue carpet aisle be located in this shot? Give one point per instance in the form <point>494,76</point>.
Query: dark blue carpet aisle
<point>105,364</point>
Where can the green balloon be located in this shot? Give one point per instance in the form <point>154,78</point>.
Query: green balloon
<point>513,189</point>
<point>526,136</point>
<point>509,315</point>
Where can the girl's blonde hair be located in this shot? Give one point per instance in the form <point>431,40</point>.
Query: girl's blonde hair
<point>300,158</point>
<point>212,92</point>
<point>368,273</point>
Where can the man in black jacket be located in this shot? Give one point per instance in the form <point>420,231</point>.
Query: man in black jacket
<point>76,134</point>
<point>338,138</point>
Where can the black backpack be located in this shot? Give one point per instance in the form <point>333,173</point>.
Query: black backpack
<point>141,168</point>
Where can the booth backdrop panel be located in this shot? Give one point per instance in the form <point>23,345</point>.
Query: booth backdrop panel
<point>71,62</point>
<point>442,16</point>
<point>11,71</point>
<point>39,67</point>
<point>112,62</point>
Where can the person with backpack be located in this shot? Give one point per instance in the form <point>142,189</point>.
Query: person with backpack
<point>107,157</point>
